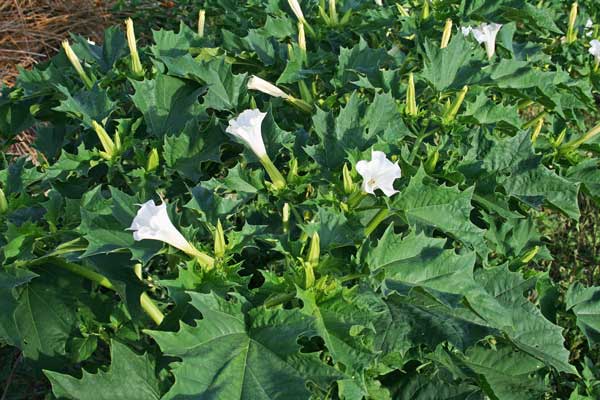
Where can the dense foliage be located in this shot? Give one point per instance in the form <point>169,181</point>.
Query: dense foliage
<point>310,288</point>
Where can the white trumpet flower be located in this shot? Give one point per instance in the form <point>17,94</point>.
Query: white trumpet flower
<point>247,128</point>
<point>484,33</point>
<point>595,49</point>
<point>153,223</point>
<point>256,83</point>
<point>589,27</point>
<point>379,2</point>
<point>379,173</point>
<point>295,6</point>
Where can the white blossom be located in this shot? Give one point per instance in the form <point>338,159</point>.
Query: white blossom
<point>152,222</point>
<point>595,49</point>
<point>247,127</point>
<point>484,33</point>
<point>295,6</point>
<point>379,2</point>
<point>256,83</point>
<point>379,173</point>
<point>589,27</point>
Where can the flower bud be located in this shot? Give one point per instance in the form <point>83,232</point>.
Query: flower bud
<point>219,240</point>
<point>530,255</point>
<point>315,250</point>
<point>425,11</point>
<point>136,64</point>
<point>153,160</point>
<point>452,111</point>
<point>411,100</point>
<point>109,146</point>
<point>302,39</point>
<point>3,203</point>
<point>571,31</point>
<point>347,179</point>
<point>333,16</point>
<point>201,21</point>
<point>447,33</point>
<point>76,64</point>
<point>285,219</point>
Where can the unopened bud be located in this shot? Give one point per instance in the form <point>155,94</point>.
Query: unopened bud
<point>333,16</point>
<point>452,111</point>
<point>109,146</point>
<point>3,202</point>
<point>302,39</point>
<point>530,255</point>
<point>447,33</point>
<point>76,64</point>
<point>219,240</point>
<point>136,64</point>
<point>411,99</point>
<point>285,219</point>
<point>201,21</point>
<point>347,179</point>
<point>571,31</point>
<point>537,130</point>
<point>425,12</point>
<point>153,160</point>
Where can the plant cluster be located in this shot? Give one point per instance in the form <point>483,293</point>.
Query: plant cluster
<point>306,199</point>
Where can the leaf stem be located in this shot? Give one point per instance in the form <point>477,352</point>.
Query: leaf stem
<point>146,302</point>
<point>279,299</point>
<point>376,220</point>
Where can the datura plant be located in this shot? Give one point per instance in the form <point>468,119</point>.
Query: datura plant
<point>306,200</point>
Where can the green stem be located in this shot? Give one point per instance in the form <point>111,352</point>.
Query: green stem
<point>377,219</point>
<point>151,309</point>
<point>146,302</point>
<point>279,299</point>
<point>589,135</point>
<point>276,177</point>
<point>356,198</point>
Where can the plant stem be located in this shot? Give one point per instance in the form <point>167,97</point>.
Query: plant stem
<point>146,302</point>
<point>377,219</point>
<point>151,309</point>
<point>276,177</point>
<point>279,299</point>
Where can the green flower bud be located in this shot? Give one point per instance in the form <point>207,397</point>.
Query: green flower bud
<point>3,202</point>
<point>411,100</point>
<point>220,245</point>
<point>136,64</point>
<point>201,21</point>
<point>153,160</point>
<point>347,178</point>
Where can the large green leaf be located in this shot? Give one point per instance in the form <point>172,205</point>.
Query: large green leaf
<point>233,353</point>
<point>428,205</point>
<point>585,304</point>
<point>167,103</point>
<point>130,376</point>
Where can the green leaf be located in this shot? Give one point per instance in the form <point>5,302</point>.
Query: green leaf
<point>11,278</point>
<point>130,376</point>
<point>186,152</point>
<point>343,319</point>
<point>334,229</point>
<point>585,304</point>
<point>428,205</point>
<point>452,67</point>
<point>502,303</point>
<point>87,105</point>
<point>356,128</point>
<point>360,59</point>
<point>167,103</point>
<point>418,260</point>
<point>225,90</point>
<point>233,353</point>
<point>114,46</point>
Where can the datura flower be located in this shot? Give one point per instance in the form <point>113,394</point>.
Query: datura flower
<point>256,83</point>
<point>595,49</point>
<point>153,223</point>
<point>484,33</point>
<point>379,173</point>
<point>247,128</point>
<point>589,27</point>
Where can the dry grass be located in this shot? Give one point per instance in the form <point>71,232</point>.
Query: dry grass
<point>31,30</point>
